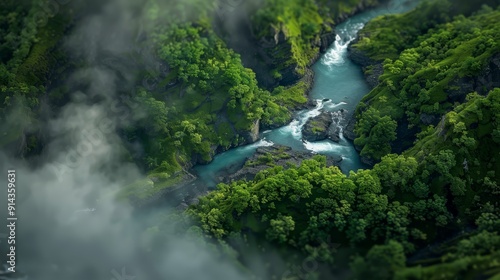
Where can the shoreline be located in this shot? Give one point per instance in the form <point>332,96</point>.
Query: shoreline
<point>308,79</point>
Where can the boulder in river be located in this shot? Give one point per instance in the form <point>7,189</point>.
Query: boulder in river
<point>327,125</point>
<point>316,129</point>
<point>276,155</point>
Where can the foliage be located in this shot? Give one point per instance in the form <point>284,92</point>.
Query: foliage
<point>375,134</point>
<point>446,184</point>
<point>429,70</point>
<point>300,24</point>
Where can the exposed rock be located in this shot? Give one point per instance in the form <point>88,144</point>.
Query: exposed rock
<point>334,134</point>
<point>372,69</point>
<point>326,40</point>
<point>266,54</point>
<point>327,125</point>
<point>281,43</point>
<point>481,83</point>
<point>441,128</point>
<point>373,74</point>
<point>263,59</point>
<point>368,161</point>
<point>276,155</point>
<point>323,42</point>
<point>428,119</point>
<point>338,122</point>
<point>359,8</point>
<point>253,135</point>
<point>289,75</point>
<point>349,128</point>
<point>308,80</point>
<point>359,57</point>
<point>316,129</point>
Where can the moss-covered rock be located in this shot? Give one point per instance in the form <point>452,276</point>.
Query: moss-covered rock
<point>316,128</point>
<point>276,155</point>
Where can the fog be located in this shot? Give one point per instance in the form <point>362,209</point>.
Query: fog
<point>70,225</point>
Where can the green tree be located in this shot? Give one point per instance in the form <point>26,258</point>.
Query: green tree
<point>375,133</point>
<point>280,228</point>
<point>381,262</point>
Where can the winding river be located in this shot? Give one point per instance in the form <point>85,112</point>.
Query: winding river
<point>337,79</point>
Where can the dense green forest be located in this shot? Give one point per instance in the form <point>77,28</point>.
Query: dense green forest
<point>200,100</point>
<point>427,208</point>
<point>437,61</point>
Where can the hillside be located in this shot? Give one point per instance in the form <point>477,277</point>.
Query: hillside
<point>156,87</point>
<point>436,99</point>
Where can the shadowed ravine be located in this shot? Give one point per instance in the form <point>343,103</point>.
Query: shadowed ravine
<point>337,79</point>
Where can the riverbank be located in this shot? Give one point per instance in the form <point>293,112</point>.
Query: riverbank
<point>331,68</point>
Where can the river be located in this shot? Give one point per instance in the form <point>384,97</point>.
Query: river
<point>338,79</point>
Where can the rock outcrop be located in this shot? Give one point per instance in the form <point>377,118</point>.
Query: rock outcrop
<point>316,129</point>
<point>327,125</point>
<point>339,121</point>
<point>276,155</point>
<point>482,83</point>
<point>349,128</point>
<point>372,69</point>
<point>253,135</point>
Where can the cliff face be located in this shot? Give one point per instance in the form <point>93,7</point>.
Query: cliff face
<point>275,52</point>
<point>487,79</point>
<point>420,99</point>
<point>372,69</point>
<point>273,58</point>
<point>253,135</point>
<point>360,7</point>
<point>270,56</point>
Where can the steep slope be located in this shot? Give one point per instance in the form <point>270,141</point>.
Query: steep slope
<point>180,92</point>
<point>438,67</point>
<point>428,213</point>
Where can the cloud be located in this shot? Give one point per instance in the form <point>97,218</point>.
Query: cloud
<point>70,226</point>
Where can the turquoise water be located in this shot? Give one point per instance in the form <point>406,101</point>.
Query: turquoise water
<point>336,78</point>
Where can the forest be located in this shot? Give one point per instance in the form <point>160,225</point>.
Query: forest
<point>187,90</point>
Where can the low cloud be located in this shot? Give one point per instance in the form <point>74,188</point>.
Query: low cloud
<point>70,225</point>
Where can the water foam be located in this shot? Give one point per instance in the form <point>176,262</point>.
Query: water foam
<point>261,143</point>
<point>323,147</point>
<point>337,55</point>
<point>295,127</point>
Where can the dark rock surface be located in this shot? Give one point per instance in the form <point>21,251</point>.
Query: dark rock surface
<point>276,155</point>
<point>316,129</point>
<point>339,121</point>
<point>372,76</point>
<point>372,69</point>
<point>359,57</point>
<point>349,128</point>
<point>253,135</point>
<point>368,161</point>
<point>327,125</point>
<point>482,83</point>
